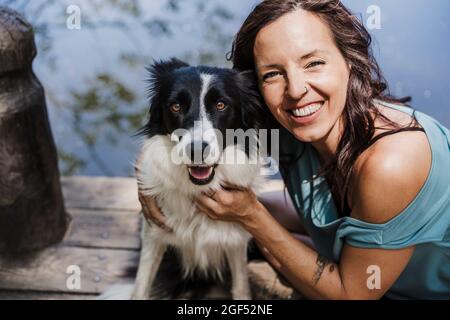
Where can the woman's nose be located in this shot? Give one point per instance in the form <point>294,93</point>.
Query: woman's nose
<point>295,86</point>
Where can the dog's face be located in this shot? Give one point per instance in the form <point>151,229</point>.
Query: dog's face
<point>197,107</point>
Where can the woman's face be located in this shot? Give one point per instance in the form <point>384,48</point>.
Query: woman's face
<point>302,75</point>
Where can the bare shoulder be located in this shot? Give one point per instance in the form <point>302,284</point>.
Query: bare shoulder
<point>389,175</point>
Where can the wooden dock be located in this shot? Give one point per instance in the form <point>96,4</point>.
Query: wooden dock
<point>103,241</point>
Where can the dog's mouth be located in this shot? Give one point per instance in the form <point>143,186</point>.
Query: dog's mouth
<point>201,174</point>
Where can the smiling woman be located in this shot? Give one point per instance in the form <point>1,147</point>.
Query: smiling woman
<point>311,66</point>
<point>345,147</point>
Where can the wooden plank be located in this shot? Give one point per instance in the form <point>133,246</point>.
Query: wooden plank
<point>104,229</point>
<point>116,193</point>
<point>43,274</point>
<point>100,192</point>
<point>46,271</point>
<point>37,295</point>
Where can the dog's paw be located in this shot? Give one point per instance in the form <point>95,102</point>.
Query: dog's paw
<point>241,294</point>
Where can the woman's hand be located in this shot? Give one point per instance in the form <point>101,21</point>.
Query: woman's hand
<point>150,210</point>
<point>231,203</point>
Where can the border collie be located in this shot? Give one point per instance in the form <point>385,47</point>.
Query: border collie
<point>188,149</point>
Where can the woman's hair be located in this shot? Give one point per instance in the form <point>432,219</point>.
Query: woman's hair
<point>366,81</point>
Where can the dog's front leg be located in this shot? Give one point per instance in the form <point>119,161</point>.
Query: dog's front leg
<point>152,252</point>
<point>237,260</point>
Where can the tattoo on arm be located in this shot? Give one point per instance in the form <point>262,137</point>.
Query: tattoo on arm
<point>321,263</point>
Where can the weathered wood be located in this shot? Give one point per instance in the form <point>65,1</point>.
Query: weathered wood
<point>104,229</point>
<point>100,193</point>
<point>32,213</point>
<point>17,47</point>
<point>115,193</point>
<point>46,271</point>
<point>103,240</point>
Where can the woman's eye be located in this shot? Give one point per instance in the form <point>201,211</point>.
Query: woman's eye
<point>270,75</point>
<point>175,107</point>
<point>220,105</point>
<point>314,64</point>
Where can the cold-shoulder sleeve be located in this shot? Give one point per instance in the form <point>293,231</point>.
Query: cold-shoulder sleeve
<point>426,219</point>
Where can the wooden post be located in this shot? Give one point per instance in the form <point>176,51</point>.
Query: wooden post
<point>32,212</point>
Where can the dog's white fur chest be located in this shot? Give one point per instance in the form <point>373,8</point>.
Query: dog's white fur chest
<point>202,242</point>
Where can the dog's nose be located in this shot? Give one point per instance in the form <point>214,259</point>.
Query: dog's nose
<point>198,151</point>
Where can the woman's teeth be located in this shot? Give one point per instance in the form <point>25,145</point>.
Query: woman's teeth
<point>307,111</point>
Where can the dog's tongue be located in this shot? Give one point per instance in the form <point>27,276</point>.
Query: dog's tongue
<point>200,172</point>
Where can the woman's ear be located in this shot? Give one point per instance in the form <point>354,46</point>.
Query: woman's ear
<point>159,85</point>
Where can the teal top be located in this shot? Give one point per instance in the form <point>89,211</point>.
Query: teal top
<point>425,223</point>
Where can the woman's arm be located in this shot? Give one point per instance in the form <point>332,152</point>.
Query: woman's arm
<point>318,278</point>
<point>387,180</point>
<point>306,270</point>
<point>280,206</point>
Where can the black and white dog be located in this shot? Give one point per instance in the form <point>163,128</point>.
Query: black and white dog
<point>189,149</point>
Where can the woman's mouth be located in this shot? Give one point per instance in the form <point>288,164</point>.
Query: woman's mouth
<point>201,174</point>
<point>306,114</point>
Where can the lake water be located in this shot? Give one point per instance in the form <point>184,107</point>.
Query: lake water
<point>95,76</point>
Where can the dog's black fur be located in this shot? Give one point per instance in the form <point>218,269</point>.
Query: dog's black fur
<point>174,81</point>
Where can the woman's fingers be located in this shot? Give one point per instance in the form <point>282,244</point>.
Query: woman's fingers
<point>152,213</point>
<point>149,207</point>
<point>208,203</point>
<point>231,186</point>
<point>205,210</point>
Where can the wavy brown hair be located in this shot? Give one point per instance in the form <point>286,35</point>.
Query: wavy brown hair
<point>366,81</point>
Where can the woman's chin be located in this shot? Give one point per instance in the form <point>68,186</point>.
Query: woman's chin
<point>308,134</point>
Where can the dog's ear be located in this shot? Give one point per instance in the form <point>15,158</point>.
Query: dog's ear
<point>159,84</point>
<point>160,69</point>
<point>254,111</point>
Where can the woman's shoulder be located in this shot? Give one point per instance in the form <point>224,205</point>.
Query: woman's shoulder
<point>389,175</point>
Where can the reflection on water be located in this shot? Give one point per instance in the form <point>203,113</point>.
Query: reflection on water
<point>95,77</point>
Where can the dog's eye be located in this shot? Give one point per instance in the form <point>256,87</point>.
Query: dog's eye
<point>220,105</point>
<point>175,107</point>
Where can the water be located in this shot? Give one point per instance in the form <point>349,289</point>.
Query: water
<point>95,76</point>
